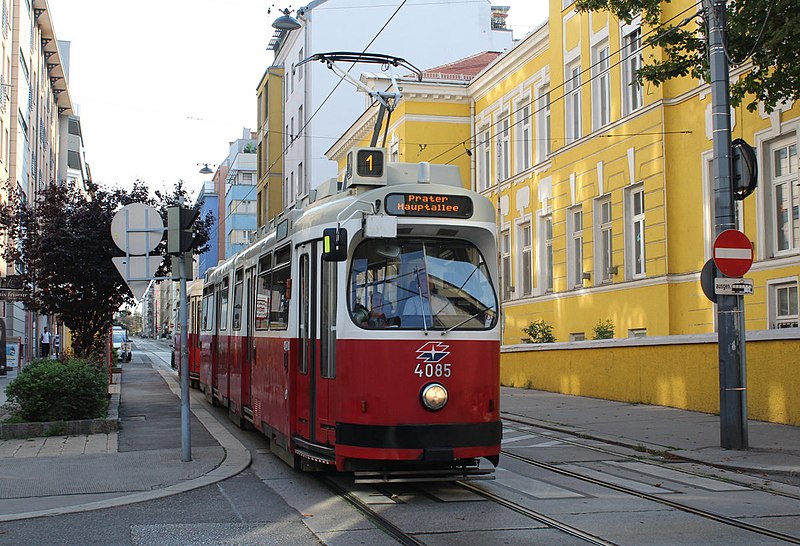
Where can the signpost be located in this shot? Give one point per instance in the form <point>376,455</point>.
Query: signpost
<point>137,229</point>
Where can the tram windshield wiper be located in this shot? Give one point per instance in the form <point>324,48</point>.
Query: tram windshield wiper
<point>462,323</point>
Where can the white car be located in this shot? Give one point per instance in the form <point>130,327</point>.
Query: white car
<point>120,341</point>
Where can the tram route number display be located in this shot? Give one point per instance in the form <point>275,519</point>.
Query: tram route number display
<point>429,204</point>
<point>432,370</point>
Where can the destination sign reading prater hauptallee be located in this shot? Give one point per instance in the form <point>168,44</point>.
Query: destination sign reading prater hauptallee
<point>428,204</point>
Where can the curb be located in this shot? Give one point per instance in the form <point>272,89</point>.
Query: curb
<point>237,458</point>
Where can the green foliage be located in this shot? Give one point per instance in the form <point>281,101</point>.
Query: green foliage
<point>540,331</point>
<point>604,329</point>
<point>761,35</point>
<point>62,243</point>
<point>250,148</point>
<point>47,390</point>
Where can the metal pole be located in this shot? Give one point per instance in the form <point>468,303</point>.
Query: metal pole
<point>730,309</point>
<point>186,432</point>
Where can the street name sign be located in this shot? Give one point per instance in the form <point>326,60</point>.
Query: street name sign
<point>733,287</point>
<point>13,295</point>
<point>733,253</point>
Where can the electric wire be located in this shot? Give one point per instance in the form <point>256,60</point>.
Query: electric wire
<point>301,129</point>
<point>579,86</point>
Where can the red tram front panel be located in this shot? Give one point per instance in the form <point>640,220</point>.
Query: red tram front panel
<point>378,411</point>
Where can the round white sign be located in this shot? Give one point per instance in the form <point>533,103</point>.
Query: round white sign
<point>137,229</point>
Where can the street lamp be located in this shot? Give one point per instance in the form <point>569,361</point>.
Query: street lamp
<point>206,169</point>
<point>286,21</point>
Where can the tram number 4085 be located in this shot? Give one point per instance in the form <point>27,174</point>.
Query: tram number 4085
<point>432,370</point>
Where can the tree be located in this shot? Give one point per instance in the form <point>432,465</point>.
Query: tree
<point>762,35</point>
<point>62,242</point>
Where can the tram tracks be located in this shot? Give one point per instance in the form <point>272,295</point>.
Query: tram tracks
<point>641,458</point>
<point>371,515</point>
<point>682,507</point>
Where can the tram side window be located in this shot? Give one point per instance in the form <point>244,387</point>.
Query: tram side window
<point>223,306</point>
<point>208,310</point>
<point>238,288</point>
<point>262,292</point>
<point>327,340</point>
<point>279,296</point>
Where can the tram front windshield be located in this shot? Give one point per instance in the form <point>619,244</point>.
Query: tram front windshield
<point>428,284</point>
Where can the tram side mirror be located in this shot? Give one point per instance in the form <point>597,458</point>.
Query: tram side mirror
<point>334,244</point>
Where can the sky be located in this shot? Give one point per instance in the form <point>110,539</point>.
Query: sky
<point>163,86</point>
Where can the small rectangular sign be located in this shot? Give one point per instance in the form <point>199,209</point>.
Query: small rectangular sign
<point>733,287</point>
<point>13,295</point>
<point>434,205</point>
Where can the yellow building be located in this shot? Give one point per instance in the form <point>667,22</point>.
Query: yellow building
<point>606,213</point>
<point>269,146</point>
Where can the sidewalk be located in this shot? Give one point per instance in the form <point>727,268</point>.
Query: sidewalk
<point>61,474</point>
<point>688,435</point>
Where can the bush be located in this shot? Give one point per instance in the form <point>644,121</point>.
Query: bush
<point>48,390</point>
<point>540,331</point>
<point>604,329</point>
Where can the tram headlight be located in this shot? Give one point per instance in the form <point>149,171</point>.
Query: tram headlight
<point>434,396</point>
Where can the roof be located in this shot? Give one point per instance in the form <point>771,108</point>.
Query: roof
<point>463,69</point>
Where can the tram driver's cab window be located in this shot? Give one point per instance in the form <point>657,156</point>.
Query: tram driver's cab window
<point>428,284</point>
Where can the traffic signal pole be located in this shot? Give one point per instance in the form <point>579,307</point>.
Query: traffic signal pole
<point>186,431</point>
<point>179,243</point>
<point>730,309</point>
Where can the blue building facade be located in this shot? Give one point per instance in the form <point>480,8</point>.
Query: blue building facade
<point>209,202</point>
<point>240,193</point>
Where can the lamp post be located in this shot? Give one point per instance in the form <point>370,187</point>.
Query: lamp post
<point>286,21</point>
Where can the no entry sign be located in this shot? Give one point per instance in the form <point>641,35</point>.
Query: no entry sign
<point>733,253</point>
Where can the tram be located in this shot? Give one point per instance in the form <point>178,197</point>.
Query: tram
<point>361,332</point>
<point>194,293</point>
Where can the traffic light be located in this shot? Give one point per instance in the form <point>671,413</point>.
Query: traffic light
<point>180,235</point>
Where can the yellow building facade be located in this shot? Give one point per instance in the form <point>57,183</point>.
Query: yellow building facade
<point>606,212</point>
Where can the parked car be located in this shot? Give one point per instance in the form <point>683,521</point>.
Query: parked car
<point>121,342</point>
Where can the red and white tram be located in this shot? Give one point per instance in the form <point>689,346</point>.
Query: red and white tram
<point>362,332</point>
<point>194,293</point>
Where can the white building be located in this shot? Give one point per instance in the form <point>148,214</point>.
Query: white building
<point>425,33</point>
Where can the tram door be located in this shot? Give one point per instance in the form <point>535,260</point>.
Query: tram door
<point>249,323</point>
<point>306,350</point>
<point>313,400</point>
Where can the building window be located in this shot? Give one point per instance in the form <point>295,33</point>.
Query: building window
<point>503,147</point>
<point>635,244</point>
<point>573,102</point>
<point>301,179</point>
<point>632,62</point>
<point>523,135</point>
<point>505,260</point>
<point>783,209</point>
<point>603,240</point>
<point>485,147</point>
<point>543,129</point>
<point>575,248</point>
<point>300,120</point>
<point>525,279</point>
<point>601,88</point>
<point>300,67</point>
<point>394,150</point>
<point>247,179</point>
<point>546,252</point>
<point>784,305</point>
